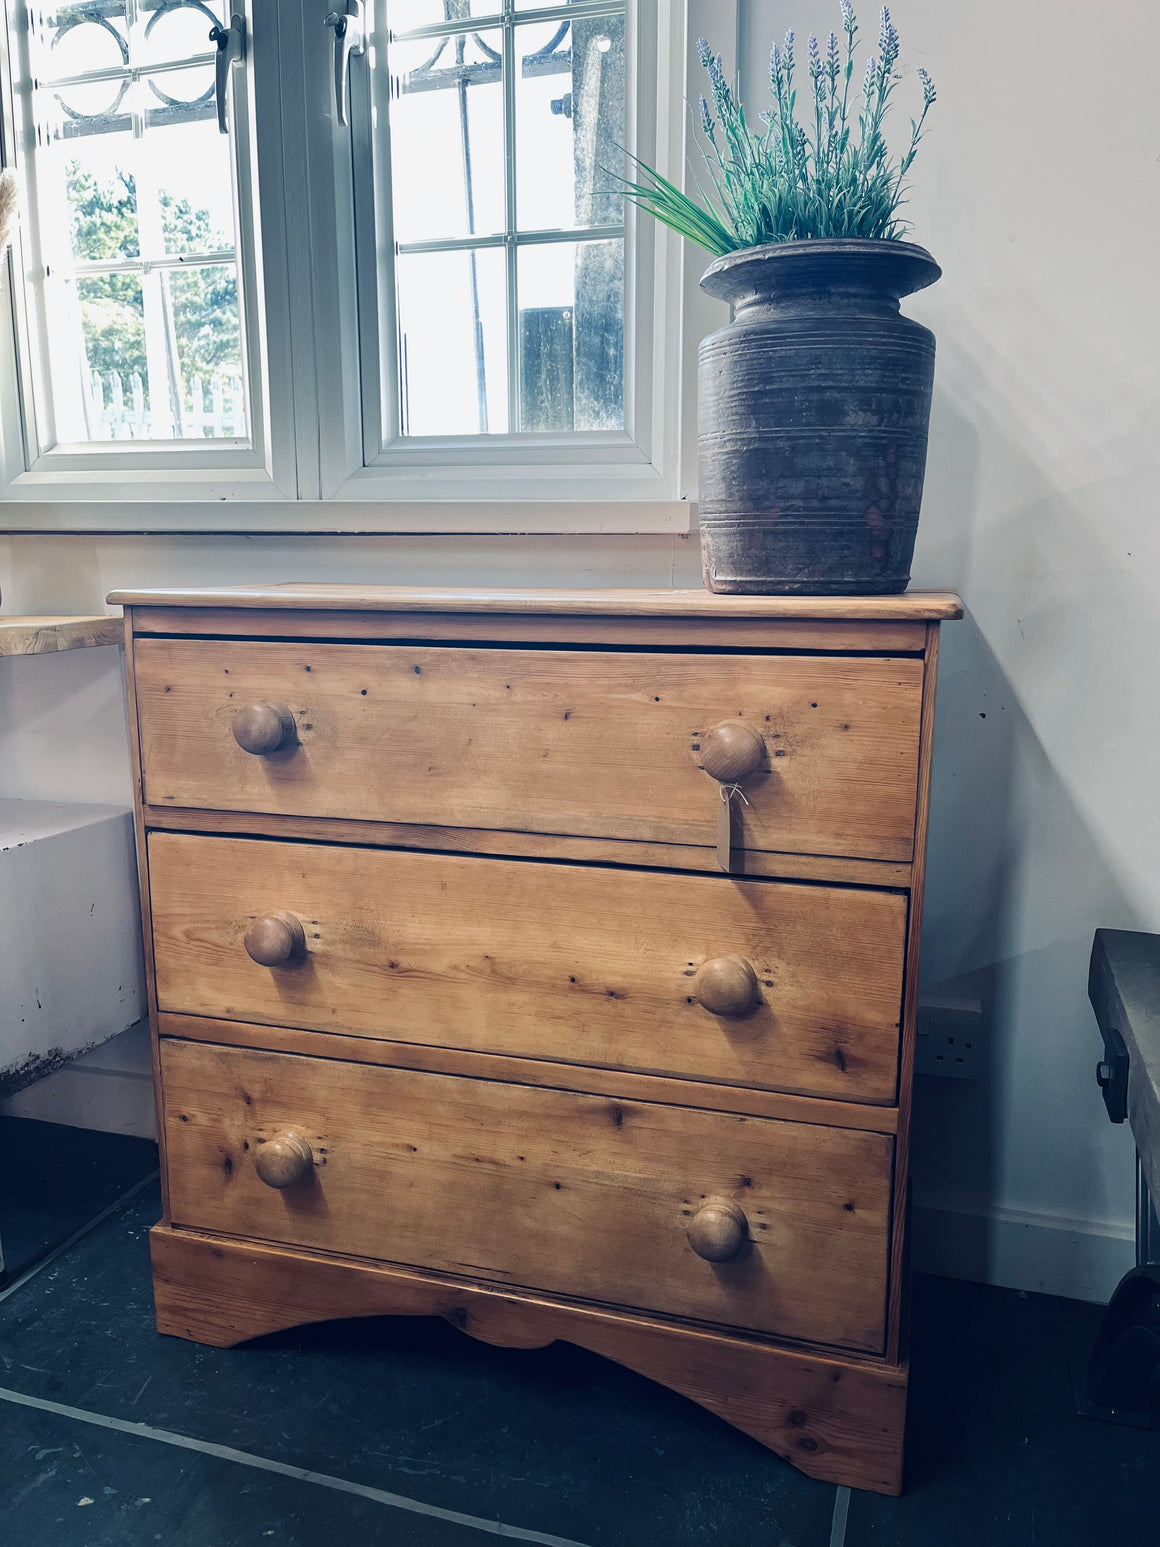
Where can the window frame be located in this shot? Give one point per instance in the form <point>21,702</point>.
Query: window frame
<point>156,470</point>
<point>638,464</point>
<point>312,476</point>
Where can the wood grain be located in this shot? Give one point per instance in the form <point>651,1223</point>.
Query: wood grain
<point>837,1419</point>
<point>597,743</point>
<point>882,637</point>
<point>584,964</point>
<point>915,605</point>
<point>543,1189</point>
<point>478,840</point>
<point>48,635</point>
<point>557,1075</point>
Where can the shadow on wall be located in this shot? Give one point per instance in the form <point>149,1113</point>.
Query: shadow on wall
<point>1035,691</point>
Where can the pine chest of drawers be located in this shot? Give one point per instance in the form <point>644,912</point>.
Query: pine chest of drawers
<point>545,961</point>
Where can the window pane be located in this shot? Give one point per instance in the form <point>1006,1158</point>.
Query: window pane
<point>77,39</point>
<point>114,384</point>
<point>177,31</point>
<point>128,168</point>
<point>203,305</point>
<point>453,342</point>
<point>535,325</point>
<point>571,336</point>
<point>404,14</point>
<point>569,122</point>
<point>99,193</point>
<point>195,202</point>
<point>447,161</point>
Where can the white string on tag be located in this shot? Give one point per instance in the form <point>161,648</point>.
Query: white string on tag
<point>725,825</point>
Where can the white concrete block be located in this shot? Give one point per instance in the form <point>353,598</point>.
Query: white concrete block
<point>71,971</point>
<point>109,1089</point>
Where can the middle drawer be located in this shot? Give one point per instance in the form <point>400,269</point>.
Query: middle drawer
<point>760,983</point>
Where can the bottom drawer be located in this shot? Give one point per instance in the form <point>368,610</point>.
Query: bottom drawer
<point>570,1193</point>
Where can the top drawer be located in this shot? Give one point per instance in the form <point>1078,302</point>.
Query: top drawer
<point>591,743</point>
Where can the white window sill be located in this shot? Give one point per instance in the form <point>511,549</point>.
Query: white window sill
<point>269,516</point>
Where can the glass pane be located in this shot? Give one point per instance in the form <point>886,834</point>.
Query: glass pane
<point>404,14</point>
<point>447,160</point>
<point>571,336</point>
<point>453,342</point>
<point>203,305</point>
<point>196,202</point>
<point>76,39</point>
<point>128,167</point>
<point>180,96</point>
<point>176,29</point>
<point>115,376</point>
<point>569,122</point>
<point>100,192</point>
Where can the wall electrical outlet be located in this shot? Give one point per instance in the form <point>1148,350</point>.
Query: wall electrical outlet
<point>949,1040</point>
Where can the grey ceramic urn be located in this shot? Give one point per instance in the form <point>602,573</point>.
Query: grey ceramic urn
<point>813,406</point>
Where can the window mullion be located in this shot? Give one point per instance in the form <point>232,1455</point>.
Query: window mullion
<point>511,256</point>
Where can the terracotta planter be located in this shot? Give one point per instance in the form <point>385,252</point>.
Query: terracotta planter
<point>813,407</point>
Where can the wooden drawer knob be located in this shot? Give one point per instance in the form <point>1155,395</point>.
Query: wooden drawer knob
<point>727,985</point>
<point>732,751</point>
<point>718,1230</point>
<point>275,940</point>
<point>264,728</point>
<point>286,1160</point>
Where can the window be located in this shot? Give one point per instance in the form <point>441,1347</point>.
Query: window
<point>136,272</point>
<point>508,231</point>
<point>401,289</point>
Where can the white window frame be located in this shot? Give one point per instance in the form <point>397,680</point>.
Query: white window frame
<point>310,474</point>
<point>157,470</point>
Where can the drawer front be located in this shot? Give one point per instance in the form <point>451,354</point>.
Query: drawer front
<point>598,744</point>
<point>571,1194</point>
<point>577,963</point>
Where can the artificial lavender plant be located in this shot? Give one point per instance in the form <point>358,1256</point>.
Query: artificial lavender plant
<point>832,176</point>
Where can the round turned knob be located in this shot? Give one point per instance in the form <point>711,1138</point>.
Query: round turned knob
<point>275,939</point>
<point>264,728</point>
<point>732,751</point>
<point>286,1160</point>
<point>718,1230</point>
<point>727,985</point>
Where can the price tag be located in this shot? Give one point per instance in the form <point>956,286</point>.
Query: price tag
<point>729,792</point>
<point>725,828</point>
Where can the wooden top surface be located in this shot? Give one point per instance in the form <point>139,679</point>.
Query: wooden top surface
<point>911,605</point>
<point>44,636</point>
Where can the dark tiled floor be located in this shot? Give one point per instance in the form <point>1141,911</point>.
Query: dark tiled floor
<point>56,1179</point>
<point>554,1441</point>
<point>996,1453</point>
<point>66,1484</point>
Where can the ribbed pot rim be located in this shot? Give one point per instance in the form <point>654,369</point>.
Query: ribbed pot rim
<point>894,268</point>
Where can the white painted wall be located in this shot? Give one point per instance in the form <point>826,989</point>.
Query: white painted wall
<point>1038,192</point>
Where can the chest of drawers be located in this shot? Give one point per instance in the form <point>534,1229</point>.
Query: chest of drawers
<point>545,961</point>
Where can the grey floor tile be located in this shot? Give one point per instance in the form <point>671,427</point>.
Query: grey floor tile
<point>997,1456</point>
<point>57,1178</point>
<point>553,1440</point>
<point>67,1484</point>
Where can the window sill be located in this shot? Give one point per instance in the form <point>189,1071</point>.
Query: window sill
<point>273,516</point>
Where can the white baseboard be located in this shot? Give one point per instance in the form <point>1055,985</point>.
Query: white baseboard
<point>1080,1259</point>
<point>109,1089</point>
